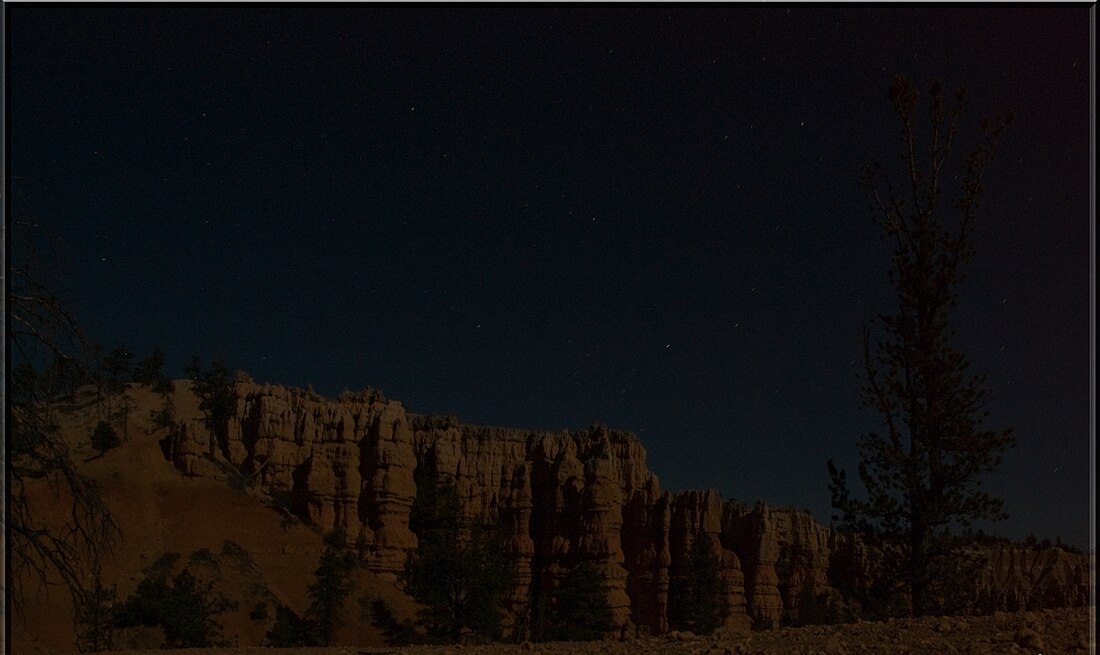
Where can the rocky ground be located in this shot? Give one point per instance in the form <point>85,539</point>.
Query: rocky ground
<point>1048,632</point>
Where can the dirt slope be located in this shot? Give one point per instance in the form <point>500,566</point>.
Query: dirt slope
<point>252,553</point>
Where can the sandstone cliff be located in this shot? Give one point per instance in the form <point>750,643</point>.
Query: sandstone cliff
<point>561,497</point>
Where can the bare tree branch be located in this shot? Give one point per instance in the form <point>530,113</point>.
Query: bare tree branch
<point>58,552</point>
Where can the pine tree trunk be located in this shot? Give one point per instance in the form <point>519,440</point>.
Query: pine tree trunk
<point>918,573</point>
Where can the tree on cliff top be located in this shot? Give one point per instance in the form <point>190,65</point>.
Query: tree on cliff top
<point>217,399</point>
<point>922,476</point>
<point>150,372</point>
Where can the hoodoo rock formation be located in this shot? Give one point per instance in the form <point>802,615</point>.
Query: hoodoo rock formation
<point>560,497</point>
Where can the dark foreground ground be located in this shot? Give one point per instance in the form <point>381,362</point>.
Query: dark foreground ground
<point>1049,632</point>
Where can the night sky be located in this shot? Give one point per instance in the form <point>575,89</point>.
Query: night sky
<point>537,217</point>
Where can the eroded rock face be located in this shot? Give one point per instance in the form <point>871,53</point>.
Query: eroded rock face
<point>698,515</point>
<point>1025,579</point>
<point>753,533</point>
<point>802,567</point>
<point>996,577</point>
<point>559,497</point>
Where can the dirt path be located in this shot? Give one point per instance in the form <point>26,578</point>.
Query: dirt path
<point>1051,632</point>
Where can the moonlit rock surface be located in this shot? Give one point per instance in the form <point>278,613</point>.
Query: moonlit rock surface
<point>561,498</point>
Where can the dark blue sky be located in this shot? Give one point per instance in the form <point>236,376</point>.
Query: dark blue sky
<point>540,217</point>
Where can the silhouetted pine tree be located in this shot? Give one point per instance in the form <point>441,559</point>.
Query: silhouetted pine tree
<point>697,596</point>
<point>458,572</point>
<point>332,585</point>
<point>181,605</point>
<point>217,398</point>
<point>578,609</point>
<point>922,473</point>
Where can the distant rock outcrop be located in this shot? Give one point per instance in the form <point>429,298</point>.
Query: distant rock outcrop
<point>560,497</point>
<point>1021,578</point>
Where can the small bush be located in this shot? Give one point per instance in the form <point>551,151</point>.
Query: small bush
<point>289,630</point>
<point>282,501</point>
<point>104,437</point>
<point>380,614</point>
<point>164,563</point>
<point>204,556</point>
<point>165,417</point>
<point>762,624</point>
<point>362,550</point>
<point>814,608</point>
<point>239,557</point>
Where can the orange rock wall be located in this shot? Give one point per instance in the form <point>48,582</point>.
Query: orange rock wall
<point>561,498</point>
